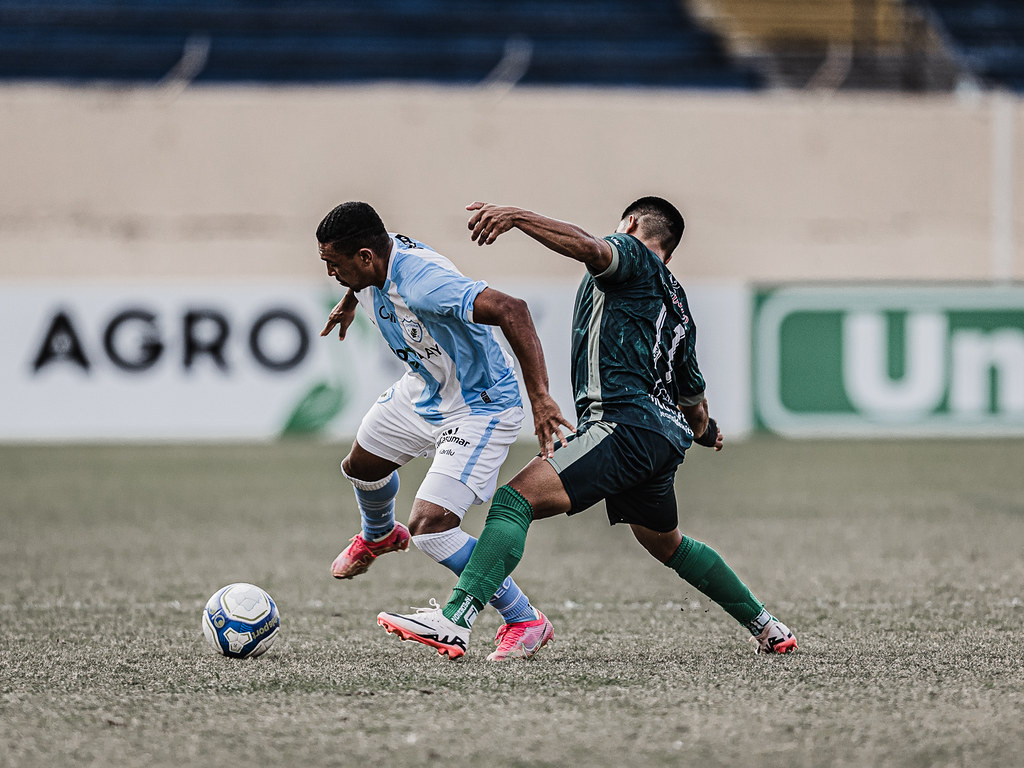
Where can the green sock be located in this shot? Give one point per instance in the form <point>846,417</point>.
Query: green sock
<point>705,569</point>
<point>496,554</point>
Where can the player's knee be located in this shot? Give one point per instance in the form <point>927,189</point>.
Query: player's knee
<point>441,503</point>
<point>432,520</point>
<point>360,466</point>
<point>353,469</point>
<point>660,545</point>
<point>346,466</point>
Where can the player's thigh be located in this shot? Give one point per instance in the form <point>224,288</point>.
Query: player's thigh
<point>650,505</point>
<point>608,461</point>
<point>441,503</point>
<point>392,429</point>
<point>538,482</point>
<point>472,448</point>
<point>651,502</point>
<point>588,466</point>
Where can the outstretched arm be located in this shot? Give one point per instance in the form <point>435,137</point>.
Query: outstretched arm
<point>489,221</point>
<point>512,315</point>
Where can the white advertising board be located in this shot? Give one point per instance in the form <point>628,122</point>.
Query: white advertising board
<point>177,361</point>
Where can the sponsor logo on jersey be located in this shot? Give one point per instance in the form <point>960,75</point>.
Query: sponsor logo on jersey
<point>451,436</point>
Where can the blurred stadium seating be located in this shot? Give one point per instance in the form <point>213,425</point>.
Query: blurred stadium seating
<point>989,35</point>
<point>893,45</point>
<point>587,42</point>
<point>904,45</point>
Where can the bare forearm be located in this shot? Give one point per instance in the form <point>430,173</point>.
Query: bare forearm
<point>489,221</point>
<point>517,325</point>
<point>548,421</point>
<point>696,416</point>
<point>512,315</point>
<point>561,236</point>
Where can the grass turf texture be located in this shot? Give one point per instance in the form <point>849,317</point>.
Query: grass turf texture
<point>898,564</point>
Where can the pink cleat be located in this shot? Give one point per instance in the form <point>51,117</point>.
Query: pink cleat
<point>522,639</point>
<point>359,555</point>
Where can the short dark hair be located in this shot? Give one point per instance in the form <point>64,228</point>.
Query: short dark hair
<point>659,219</point>
<point>351,226</point>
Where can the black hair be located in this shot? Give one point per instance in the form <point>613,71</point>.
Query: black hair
<point>659,219</point>
<point>351,226</point>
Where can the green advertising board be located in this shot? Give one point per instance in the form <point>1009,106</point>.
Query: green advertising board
<point>889,360</point>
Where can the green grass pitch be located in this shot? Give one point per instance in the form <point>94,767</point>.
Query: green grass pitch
<point>900,566</point>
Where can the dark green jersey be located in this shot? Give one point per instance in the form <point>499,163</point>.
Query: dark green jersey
<point>633,358</point>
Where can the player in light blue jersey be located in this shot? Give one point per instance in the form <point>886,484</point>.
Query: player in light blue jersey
<point>458,402</point>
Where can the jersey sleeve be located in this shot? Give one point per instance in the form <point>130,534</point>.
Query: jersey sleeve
<point>442,292</point>
<point>630,259</point>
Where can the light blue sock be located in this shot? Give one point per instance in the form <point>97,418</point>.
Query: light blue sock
<point>376,502</point>
<point>452,550</point>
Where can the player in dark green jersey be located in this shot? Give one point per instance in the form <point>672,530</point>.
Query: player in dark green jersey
<point>640,404</point>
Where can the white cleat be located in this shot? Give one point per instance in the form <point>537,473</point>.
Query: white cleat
<point>428,626</point>
<point>776,638</point>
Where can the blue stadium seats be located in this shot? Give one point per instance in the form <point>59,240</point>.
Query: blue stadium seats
<point>988,35</point>
<point>572,42</point>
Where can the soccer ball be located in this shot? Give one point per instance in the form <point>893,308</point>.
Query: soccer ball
<point>241,621</point>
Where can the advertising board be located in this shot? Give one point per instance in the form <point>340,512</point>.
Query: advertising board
<point>135,361</point>
<point>889,360</point>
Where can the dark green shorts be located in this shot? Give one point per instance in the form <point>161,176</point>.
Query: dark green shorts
<point>631,468</point>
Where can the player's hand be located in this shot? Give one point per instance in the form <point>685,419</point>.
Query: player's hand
<point>548,423</point>
<point>342,315</point>
<point>712,437</point>
<point>489,221</point>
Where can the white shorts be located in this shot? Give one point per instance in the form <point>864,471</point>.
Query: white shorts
<point>469,448</point>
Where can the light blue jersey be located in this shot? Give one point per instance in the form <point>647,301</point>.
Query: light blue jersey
<point>425,314</point>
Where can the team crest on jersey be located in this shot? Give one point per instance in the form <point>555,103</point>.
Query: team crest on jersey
<point>413,330</point>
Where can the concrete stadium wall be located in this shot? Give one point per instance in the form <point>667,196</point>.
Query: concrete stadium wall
<point>213,183</point>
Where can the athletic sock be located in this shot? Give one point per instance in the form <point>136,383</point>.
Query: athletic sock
<point>705,569</point>
<point>759,622</point>
<point>376,501</point>
<point>495,556</point>
<point>452,549</point>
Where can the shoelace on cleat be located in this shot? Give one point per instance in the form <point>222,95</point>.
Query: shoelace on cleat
<point>434,606</point>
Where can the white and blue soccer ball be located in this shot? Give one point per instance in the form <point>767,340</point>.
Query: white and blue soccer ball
<point>241,621</point>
